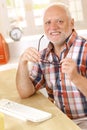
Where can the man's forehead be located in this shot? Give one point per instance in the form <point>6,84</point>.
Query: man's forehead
<point>55,11</point>
<point>55,16</point>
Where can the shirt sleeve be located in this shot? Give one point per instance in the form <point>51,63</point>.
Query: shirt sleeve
<point>37,77</point>
<point>39,82</point>
<point>83,65</point>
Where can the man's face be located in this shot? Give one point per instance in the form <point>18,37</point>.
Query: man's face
<point>57,25</point>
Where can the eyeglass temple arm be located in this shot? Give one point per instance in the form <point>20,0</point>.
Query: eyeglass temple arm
<point>39,42</point>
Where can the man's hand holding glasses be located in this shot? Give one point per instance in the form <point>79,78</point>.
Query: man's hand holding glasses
<point>33,55</point>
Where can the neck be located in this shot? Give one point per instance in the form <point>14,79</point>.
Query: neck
<point>58,48</point>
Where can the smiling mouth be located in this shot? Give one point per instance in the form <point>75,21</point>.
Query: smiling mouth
<point>55,33</point>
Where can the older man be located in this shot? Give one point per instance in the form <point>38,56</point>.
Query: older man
<point>61,67</point>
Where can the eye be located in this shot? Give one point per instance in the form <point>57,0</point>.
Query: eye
<point>59,21</point>
<point>48,22</point>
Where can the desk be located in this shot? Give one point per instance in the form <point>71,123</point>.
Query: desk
<point>59,121</point>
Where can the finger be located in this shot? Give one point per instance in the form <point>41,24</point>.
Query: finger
<point>31,58</point>
<point>65,60</point>
<point>33,54</point>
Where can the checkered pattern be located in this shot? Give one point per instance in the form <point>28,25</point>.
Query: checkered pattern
<point>60,89</point>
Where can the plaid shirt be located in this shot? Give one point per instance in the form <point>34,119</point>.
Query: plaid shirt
<point>60,89</point>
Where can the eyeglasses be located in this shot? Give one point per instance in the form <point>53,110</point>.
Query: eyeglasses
<point>40,42</point>
<point>45,60</point>
<point>49,62</point>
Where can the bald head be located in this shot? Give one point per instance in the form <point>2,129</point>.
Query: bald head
<point>60,6</point>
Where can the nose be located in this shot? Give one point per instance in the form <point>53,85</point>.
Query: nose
<point>54,26</point>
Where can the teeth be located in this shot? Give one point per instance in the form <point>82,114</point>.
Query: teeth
<point>55,33</point>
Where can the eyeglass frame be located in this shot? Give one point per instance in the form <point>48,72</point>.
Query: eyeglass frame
<point>45,60</point>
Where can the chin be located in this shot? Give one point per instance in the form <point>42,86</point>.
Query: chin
<point>58,42</point>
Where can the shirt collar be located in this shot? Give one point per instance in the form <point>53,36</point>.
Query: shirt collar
<point>71,39</point>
